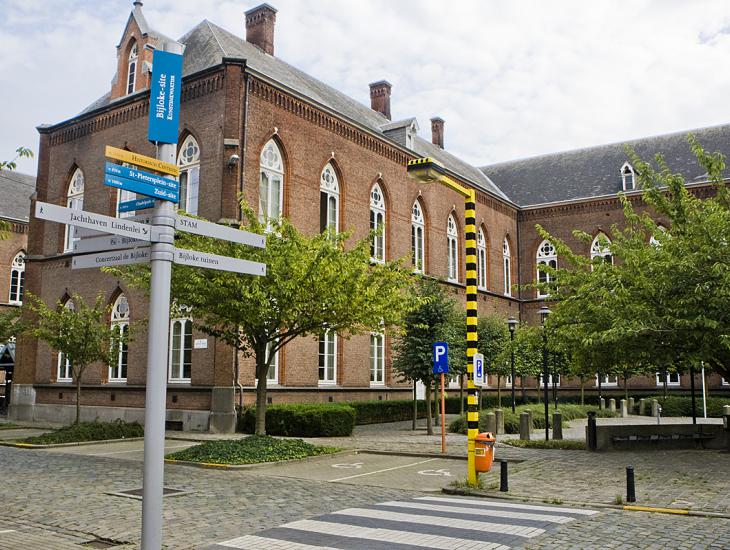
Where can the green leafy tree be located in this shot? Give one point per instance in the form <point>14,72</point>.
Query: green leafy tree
<point>527,346</point>
<point>80,332</point>
<point>493,336</point>
<point>9,325</point>
<point>663,301</point>
<point>433,320</point>
<point>312,284</point>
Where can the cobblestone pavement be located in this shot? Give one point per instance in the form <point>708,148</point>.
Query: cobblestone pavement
<point>423,522</point>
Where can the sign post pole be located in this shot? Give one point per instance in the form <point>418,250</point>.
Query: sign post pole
<point>162,253</point>
<point>443,416</point>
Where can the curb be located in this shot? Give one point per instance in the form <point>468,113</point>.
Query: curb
<point>432,455</point>
<point>626,507</point>
<point>70,444</point>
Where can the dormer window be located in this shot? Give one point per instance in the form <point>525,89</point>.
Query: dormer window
<point>628,177</point>
<point>132,68</point>
<point>411,132</point>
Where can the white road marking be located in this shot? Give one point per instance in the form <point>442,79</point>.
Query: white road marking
<point>138,450</point>
<point>444,521</point>
<point>441,472</point>
<point>384,470</point>
<point>500,504</point>
<point>491,513</point>
<point>389,535</point>
<point>7,531</point>
<point>252,541</point>
<point>354,465</point>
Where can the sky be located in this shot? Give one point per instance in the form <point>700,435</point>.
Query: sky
<point>512,79</point>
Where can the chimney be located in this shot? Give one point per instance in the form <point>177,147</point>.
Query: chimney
<point>437,131</point>
<point>260,27</point>
<point>380,97</point>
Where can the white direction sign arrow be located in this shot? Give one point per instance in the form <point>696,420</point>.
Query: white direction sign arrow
<point>90,220</point>
<point>214,261</point>
<point>209,229</point>
<point>114,257</point>
<point>106,242</point>
<point>83,232</point>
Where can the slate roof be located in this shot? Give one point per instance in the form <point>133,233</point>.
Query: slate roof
<point>15,190</point>
<point>207,44</point>
<point>596,171</point>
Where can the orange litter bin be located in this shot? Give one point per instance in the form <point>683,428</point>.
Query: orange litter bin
<point>484,451</point>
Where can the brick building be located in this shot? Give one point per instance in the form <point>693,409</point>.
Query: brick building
<point>252,124</point>
<point>15,190</point>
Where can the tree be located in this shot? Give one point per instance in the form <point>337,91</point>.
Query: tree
<point>493,336</point>
<point>663,301</point>
<point>9,326</point>
<point>312,284</point>
<point>433,320</point>
<point>527,346</point>
<point>79,332</point>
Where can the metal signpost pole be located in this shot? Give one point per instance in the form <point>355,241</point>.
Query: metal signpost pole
<point>443,416</point>
<point>163,221</point>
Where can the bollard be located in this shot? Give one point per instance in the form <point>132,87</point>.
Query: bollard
<point>624,409</point>
<point>630,488</point>
<point>601,403</point>
<point>726,410</point>
<point>612,405</point>
<point>654,408</point>
<point>642,406</point>
<point>499,417</point>
<point>491,422</point>
<point>557,425</point>
<point>632,404</point>
<point>503,482</point>
<point>525,426</point>
<point>591,435</point>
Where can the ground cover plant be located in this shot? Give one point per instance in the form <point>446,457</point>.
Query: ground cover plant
<point>251,450</point>
<point>565,444</point>
<point>88,431</point>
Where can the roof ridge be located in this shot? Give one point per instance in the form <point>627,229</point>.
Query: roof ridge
<point>213,32</point>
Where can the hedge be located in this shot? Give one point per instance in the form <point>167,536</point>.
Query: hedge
<point>323,420</point>
<point>375,412</point>
<point>88,431</point>
<point>676,405</point>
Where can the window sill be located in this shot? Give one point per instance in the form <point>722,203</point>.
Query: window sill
<point>179,381</point>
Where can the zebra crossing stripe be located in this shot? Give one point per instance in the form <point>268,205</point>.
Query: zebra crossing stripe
<point>250,542</point>
<point>494,503</point>
<point>390,535</point>
<point>509,514</point>
<point>444,521</point>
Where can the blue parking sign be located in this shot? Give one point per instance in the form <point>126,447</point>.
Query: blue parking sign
<point>440,358</point>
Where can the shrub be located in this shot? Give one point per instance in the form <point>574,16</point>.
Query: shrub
<point>680,405</point>
<point>250,450</point>
<point>375,412</point>
<point>88,431</point>
<point>318,420</point>
<point>568,444</point>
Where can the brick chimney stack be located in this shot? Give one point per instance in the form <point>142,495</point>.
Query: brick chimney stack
<point>380,97</point>
<point>437,131</point>
<point>260,27</point>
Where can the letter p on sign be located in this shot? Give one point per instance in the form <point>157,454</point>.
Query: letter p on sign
<point>440,358</point>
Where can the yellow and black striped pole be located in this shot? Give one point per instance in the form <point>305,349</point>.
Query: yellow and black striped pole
<point>428,170</point>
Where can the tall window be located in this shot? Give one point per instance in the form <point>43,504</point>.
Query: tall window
<point>132,68</point>
<point>272,375</point>
<point>188,160</point>
<point>418,250</point>
<point>673,379</point>
<point>120,325</point>
<point>377,359</point>
<point>607,380</point>
<point>627,177</point>
<point>328,357</point>
<point>271,185</point>
<point>507,267</point>
<point>17,279</point>
<point>329,199</point>
<point>552,381</point>
<point>377,222</point>
<point>546,255</point>
<point>481,260</point>
<point>452,240</point>
<point>64,371</point>
<point>181,349</point>
<point>75,201</point>
<point>601,248</point>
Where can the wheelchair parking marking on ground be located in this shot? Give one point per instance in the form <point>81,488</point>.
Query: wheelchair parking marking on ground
<point>383,470</point>
<point>355,465</point>
<point>441,472</point>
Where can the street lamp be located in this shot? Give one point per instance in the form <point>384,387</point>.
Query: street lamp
<point>544,312</point>
<point>512,324</point>
<point>427,170</point>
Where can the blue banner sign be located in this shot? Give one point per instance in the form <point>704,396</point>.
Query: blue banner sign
<point>136,204</point>
<point>165,97</point>
<point>141,188</point>
<point>140,176</point>
<point>440,358</point>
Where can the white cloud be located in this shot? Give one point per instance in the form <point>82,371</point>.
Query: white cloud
<point>511,78</point>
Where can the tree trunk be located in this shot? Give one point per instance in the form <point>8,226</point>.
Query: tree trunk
<point>626,387</point>
<point>78,396</point>
<point>664,375</point>
<point>429,419</point>
<point>415,407</point>
<point>582,391</point>
<point>461,394</point>
<point>499,391</point>
<point>262,371</point>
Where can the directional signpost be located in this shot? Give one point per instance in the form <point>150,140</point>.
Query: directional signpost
<point>150,238</point>
<point>441,366</point>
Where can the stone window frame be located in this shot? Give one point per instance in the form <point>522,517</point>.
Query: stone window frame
<point>418,237</point>
<point>507,267</point>
<point>546,255</point>
<point>628,177</point>
<point>482,259</point>
<point>132,61</point>
<point>329,192</point>
<point>63,365</point>
<point>271,176</point>
<point>670,382</point>
<point>74,201</point>
<point>377,359</point>
<point>452,250</point>
<point>186,327</point>
<point>17,279</point>
<point>120,323</point>
<point>327,357</point>
<point>377,220</point>
<point>188,161</point>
